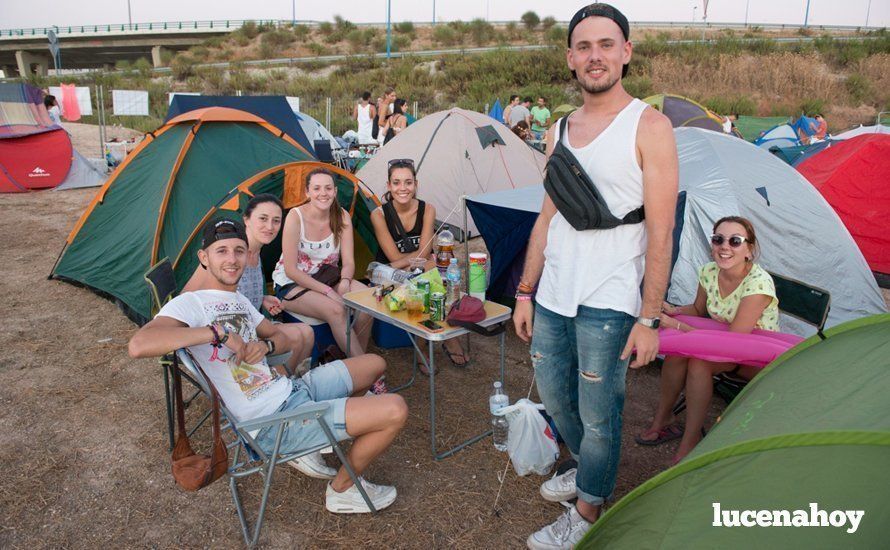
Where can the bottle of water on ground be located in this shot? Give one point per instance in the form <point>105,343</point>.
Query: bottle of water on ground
<point>452,282</point>
<point>499,425</point>
<point>382,274</point>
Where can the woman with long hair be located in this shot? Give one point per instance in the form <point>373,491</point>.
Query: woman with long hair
<point>398,246</point>
<point>317,265</point>
<point>734,290</point>
<point>396,122</point>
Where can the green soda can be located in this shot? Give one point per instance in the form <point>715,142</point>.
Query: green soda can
<point>437,306</point>
<point>424,286</point>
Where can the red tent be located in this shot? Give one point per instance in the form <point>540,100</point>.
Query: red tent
<point>34,153</point>
<point>854,177</point>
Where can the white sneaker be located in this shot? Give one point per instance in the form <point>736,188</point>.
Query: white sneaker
<point>313,466</point>
<point>329,450</point>
<point>350,501</point>
<point>560,488</point>
<point>563,533</point>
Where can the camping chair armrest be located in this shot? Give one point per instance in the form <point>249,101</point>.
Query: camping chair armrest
<point>304,411</point>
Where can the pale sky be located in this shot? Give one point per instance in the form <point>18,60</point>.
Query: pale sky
<point>40,13</point>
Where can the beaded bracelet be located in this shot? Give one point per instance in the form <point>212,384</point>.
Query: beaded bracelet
<point>215,341</point>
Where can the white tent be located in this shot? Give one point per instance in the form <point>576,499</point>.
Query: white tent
<point>83,173</point>
<point>878,129</point>
<point>458,152</point>
<point>315,130</point>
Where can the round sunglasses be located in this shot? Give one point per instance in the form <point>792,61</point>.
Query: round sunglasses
<point>735,241</point>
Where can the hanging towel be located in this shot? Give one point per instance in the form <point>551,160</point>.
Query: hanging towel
<point>70,106</point>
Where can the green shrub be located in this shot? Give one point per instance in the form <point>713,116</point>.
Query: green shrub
<point>548,22</point>
<point>637,86</point>
<point>278,38</point>
<point>240,39</point>
<point>325,28</point>
<point>215,41</point>
<point>481,31</point>
<point>356,39</point>
<point>740,105</point>
<point>444,35</point>
<point>183,66</point>
<point>265,27</point>
<point>343,25</point>
<point>811,106</point>
<point>461,29</point>
<point>556,35</point>
<point>122,65</point>
<point>859,87</point>
<point>530,19</point>
<point>301,32</point>
<point>512,31</point>
<point>405,27</point>
<point>144,67</point>
<point>249,29</point>
<point>200,53</point>
<point>268,51</point>
<point>317,49</point>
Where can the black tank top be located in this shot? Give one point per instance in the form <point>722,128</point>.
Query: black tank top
<point>406,241</point>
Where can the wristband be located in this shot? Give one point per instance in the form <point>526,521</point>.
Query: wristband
<point>523,297</point>
<point>215,342</point>
<point>270,346</point>
<point>225,335</point>
<point>525,288</point>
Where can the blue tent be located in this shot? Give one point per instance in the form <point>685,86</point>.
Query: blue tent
<point>274,109</point>
<point>797,154</point>
<point>497,112</point>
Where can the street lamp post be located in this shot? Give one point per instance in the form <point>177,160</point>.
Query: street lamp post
<point>434,12</point>
<point>806,15</point>
<point>747,3</point>
<point>129,15</point>
<point>293,13</point>
<point>388,28</point>
<point>693,13</point>
<point>867,13</point>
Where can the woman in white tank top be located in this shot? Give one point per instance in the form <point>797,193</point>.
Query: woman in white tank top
<point>318,233</point>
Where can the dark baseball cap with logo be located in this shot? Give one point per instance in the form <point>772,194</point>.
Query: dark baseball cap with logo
<point>221,229</point>
<point>600,10</point>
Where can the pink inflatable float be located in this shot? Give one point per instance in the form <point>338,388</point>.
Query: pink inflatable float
<point>712,341</point>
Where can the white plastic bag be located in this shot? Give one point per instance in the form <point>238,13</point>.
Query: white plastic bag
<point>531,444</point>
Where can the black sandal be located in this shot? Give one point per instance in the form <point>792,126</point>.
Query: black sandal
<point>451,357</point>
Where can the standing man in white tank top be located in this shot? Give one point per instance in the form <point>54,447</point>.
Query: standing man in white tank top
<point>589,315</point>
<point>365,113</point>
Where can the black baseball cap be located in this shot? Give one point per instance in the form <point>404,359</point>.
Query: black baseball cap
<point>221,229</point>
<point>600,10</point>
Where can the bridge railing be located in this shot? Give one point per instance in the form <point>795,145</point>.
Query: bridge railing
<point>225,24</point>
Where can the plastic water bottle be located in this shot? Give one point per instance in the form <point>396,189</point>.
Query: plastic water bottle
<point>452,281</point>
<point>382,274</point>
<point>499,425</point>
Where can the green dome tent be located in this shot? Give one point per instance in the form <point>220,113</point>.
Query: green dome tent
<point>562,110</point>
<point>201,164</point>
<point>813,427</point>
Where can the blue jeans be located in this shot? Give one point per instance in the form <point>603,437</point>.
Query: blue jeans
<point>581,382</point>
<point>332,383</point>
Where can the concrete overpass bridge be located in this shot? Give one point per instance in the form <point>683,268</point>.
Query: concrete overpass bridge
<point>26,51</point>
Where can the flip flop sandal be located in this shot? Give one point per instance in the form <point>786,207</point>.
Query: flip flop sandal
<point>451,357</point>
<point>665,434</point>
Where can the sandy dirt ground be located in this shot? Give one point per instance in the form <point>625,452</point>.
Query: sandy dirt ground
<point>84,449</point>
<point>85,137</point>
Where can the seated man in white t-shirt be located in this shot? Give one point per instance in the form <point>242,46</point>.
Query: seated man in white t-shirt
<point>229,339</point>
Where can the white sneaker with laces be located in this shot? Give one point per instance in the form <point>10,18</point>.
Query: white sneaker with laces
<point>562,534</point>
<point>313,466</point>
<point>560,488</point>
<point>350,501</point>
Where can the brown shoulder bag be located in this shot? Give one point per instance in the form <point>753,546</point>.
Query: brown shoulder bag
<point>192,471</point>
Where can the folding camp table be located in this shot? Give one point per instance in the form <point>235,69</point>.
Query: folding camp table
<point>364,301</point>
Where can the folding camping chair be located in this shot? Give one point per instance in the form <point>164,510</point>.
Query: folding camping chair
<point>323,151</point>
<point>249,458</point>
<point>797,299</point>
<point>162,284</point>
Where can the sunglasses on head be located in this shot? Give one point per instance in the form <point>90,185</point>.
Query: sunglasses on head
<point>401,162</point>
<point>735,241</point>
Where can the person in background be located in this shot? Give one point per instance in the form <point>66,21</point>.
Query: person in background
<point>523,131</point>
<point>318,235</point>
<point>399,246</point>
<point>821,128</point>
<point>520,113</point>
<point>262,220</point>
<point>396,122</point>
<point>365,114</point>
<point>540,118</point>
<point>52,107</point>
<point>384,108</point>
<point>514,101</point>
<point>733,290</point>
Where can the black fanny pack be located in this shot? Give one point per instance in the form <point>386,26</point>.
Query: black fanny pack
<point>575,195</point>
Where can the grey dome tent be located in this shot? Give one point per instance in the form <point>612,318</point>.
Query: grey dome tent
<point>457,152</point>
<point>800,235</point>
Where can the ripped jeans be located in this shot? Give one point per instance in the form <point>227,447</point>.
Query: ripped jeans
<point>581,382</point>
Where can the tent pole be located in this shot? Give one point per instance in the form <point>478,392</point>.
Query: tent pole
<point>463,200</point>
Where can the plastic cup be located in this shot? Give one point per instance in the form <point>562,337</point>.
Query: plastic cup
<point>415,304</point>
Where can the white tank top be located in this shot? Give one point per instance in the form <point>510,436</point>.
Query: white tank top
<point>310,256</point>
<point>365,124</point>
<point>600,268</point>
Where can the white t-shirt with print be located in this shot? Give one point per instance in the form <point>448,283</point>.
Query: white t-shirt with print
<point>249,391</point>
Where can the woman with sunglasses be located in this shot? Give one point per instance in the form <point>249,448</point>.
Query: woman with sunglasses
<point>262,220</point>
<point>399,246</point>
<point>734,290</point>
<point>318,236</point>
